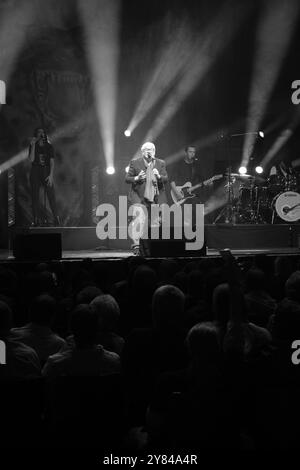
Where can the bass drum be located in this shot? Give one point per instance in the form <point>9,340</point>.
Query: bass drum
<point>287,206</point>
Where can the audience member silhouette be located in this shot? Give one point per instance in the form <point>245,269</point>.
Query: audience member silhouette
<point>38,333</point>
<point>87,358</point>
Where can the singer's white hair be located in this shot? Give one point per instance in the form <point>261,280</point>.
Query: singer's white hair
<point>147,144</point>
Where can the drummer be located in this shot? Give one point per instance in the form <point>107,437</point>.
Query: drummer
<point>282,169</point>
<point>283,177</point>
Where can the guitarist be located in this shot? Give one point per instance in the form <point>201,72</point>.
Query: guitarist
<point>185,170</point>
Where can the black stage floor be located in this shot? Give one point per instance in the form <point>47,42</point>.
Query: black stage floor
<point>82,242</point>
<point>73,255</point>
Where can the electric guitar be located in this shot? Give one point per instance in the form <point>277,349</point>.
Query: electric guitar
<point>187,189</point>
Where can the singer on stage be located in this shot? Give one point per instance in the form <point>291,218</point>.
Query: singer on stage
<point>147,176</point>
<point>41,156</point>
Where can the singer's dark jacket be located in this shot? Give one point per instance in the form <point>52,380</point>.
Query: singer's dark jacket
<point>136,193</point>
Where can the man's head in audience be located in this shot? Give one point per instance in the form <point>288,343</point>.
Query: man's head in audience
<point>107,311</point>
<point>167,270</point>
<point>45,283</point>
<point>83,325</point>
<point>203,343</point>
<point>5,320</point>
<point>144,282</point>
<point>167,308</point>
<point>87,294</point>
<point>42,310</point>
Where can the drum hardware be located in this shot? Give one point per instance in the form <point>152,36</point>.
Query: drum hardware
<point>246,209</point>
<point>229,211</point>
<point>276,184</point>
<point>290,183</point>
<point>254,200</point>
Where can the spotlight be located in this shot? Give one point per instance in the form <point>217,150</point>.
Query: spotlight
<point>2,92</point>
<point>242,170</point>
<point>272,48</point>
<point>261,134</point>
<point>259,170</point>
<point>110,170</point>
<point>127,133</point>
<point>100,20</point>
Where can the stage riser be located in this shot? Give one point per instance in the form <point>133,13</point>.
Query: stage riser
<point>216,236</point>
<point>240,237</point>
<point>78,238</point>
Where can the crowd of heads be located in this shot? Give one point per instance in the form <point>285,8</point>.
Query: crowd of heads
<point>163,327</point>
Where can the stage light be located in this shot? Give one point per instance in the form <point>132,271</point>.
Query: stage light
<point>175,72</point>
<point>261,134</point>
<point>101,25</point>
<point>127,133</point>
<point>259,170</point>
<point>2,92</point>
<point>171,59</point>
<point>281,140</point>
<point>15,160</point>
<point>207,49</point>
<point>242,170</point>
<point>15,21</point>
<point>110,170</point>
<point>271,50</point>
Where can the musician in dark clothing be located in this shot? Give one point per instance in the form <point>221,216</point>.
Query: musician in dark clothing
<point>41,156</point>
<point>147,176</point>
<point>183,171</point>
<point>187,170</point>
<point>282,169</point>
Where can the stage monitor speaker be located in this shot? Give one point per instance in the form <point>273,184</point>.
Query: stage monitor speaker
<point>37,246</point>
<point>172,247</point>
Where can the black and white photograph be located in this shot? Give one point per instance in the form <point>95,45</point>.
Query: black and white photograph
<point>149,230</point>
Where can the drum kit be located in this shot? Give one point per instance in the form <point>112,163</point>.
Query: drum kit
<point>255,200</point>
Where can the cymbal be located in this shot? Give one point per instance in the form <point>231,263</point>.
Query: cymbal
<point>259,179</point>
<point>238,175</point>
